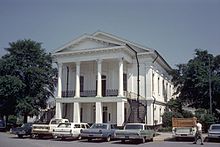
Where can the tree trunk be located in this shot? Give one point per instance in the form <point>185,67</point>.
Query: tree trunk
<point>25,118</point>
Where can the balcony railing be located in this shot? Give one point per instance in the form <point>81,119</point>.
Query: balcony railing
<point>90,93</point>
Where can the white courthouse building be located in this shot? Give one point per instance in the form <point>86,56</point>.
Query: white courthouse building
<point>104,78</point>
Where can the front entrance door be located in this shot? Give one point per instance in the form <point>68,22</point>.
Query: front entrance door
<point>105,115</point>
<point>103,85</point>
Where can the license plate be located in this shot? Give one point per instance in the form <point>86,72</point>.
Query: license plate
<point>183,135</point>
<point>127,137</point>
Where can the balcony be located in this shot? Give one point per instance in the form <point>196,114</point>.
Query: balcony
<point>90,93</point>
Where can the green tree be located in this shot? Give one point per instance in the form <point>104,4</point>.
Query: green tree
<point>167,118</point>
<point>174,105</point>
<point>192,80</point>
<point>205,118</point>
<point>29,63</point>
<point>10,87</point>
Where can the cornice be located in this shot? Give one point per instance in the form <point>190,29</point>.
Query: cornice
<point>92,51</point>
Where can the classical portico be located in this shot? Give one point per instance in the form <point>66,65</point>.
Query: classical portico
<point>117,95</point>
<point>97,80</point>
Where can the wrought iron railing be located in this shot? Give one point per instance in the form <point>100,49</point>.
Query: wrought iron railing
<point>90,93</point>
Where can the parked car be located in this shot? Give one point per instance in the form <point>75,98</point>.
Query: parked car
<point>2,125</point>
<point>103,131</point>
<point>135,132</point>
<point>42,129</point>
<point>24,130</point>
<point>214,132</point>
<point>69,130</point>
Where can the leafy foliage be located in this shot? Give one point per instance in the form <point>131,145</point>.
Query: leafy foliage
<point>174,105</point>
<point>174,109</point>
<point>10,88</point>
<point>192,80</point>
<point>32,67</point>
<point>205,118</point>
<point>167,117</point>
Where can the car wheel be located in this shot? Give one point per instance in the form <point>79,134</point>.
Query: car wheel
<point>20,136</point>
<point>143,140</point>
<point>79,137</point>
<point>108,138</point>
<point>33,136</point>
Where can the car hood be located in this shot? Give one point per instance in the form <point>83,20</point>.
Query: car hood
<point>215,131</point>
<point>128,131</point>
<point>19,129</point>
<point>92,130</point>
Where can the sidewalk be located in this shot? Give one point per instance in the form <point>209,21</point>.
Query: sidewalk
<point>163,136</point>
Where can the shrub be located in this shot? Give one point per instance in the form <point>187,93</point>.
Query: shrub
<point>167,118</point>
<point>187,114</point>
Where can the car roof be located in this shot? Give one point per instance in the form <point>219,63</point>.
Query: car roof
<point>134,124</point>
<point>105,124</point>
<point>215,124</point>
<point>73,123</point>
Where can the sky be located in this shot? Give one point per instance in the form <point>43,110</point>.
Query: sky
<point>175,28</point>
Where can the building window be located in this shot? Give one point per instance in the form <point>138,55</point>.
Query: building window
<point>81,114</point>
<point>158,84</point>
<point>152,82</point>
<point>81,83</point>
<point>125,82</point>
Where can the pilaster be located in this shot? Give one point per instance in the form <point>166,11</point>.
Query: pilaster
<point>120,84</point>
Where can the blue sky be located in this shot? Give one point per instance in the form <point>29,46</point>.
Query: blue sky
<point>175,28</point>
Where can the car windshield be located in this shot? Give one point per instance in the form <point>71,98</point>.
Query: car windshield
<point>216,127</point>
<point>26,125</point>
<point>56,121</point>
<point>64,125</point>
<point>99,126</point>
<point>130,127</point>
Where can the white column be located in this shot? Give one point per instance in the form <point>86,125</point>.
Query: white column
<point>59,84</point>
<point>168,90</point>
<point>99,78</point>
<point>161,86</point>
<point>150,111</point>
<point>76,115</point>
<point>77,88</point>
<point>59,92</point>
<point>156,84</point>
<point>98,108</point>
<point>149,81</point>
<point>120,84</point>
<point>120,113</point>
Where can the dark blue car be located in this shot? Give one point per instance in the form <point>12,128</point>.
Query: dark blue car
<point>24,130</point>
<point>2,125</point>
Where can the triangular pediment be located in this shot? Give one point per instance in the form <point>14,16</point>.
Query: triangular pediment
<point>112,38</point>
<point>87,42</point>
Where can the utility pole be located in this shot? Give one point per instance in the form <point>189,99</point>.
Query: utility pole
<point>210,89</point>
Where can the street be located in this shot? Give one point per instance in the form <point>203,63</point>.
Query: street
<point>10,140</point>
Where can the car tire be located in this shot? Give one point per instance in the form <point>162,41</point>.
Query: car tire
<point>108,138</point>
<point>143,140</point>
<point>20,136</point>
<point>33,136</point>
<point>79,137</point>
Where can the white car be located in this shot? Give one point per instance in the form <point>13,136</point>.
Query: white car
<point>214,132</point>
<point>69,130</point>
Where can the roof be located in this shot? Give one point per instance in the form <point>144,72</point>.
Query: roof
<point>116,41</point>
